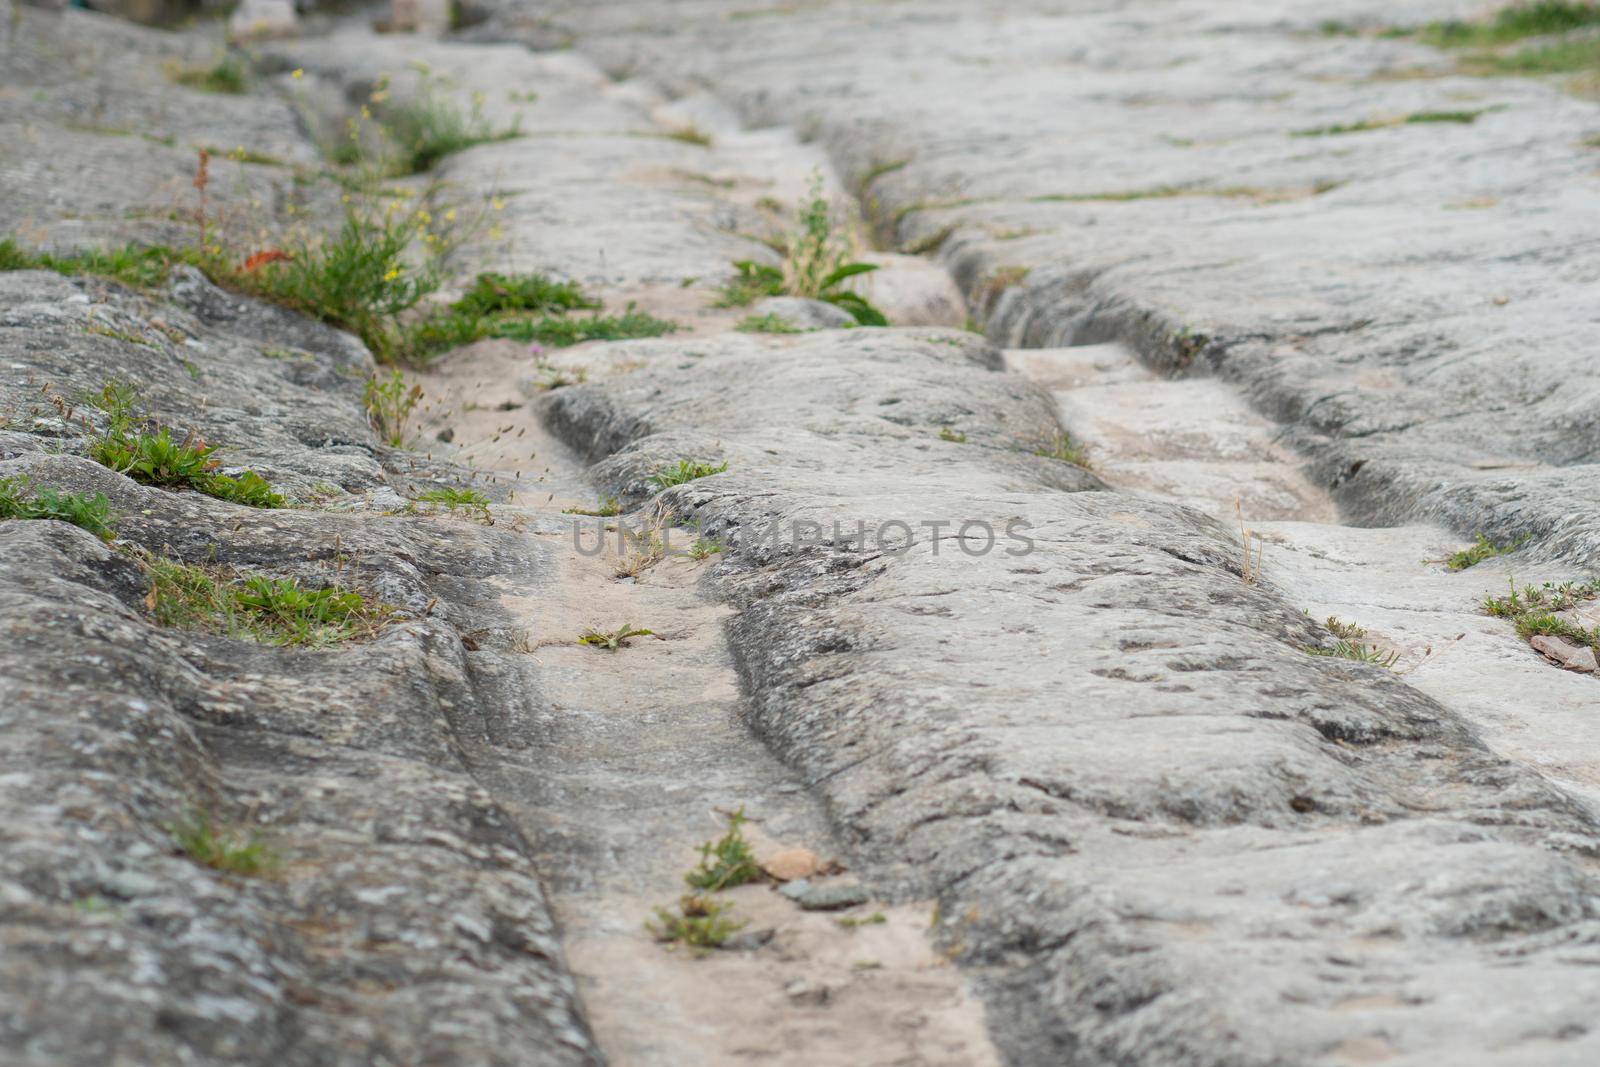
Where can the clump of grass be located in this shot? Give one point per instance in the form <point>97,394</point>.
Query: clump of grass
<point>389,405</point>
<point>768,323</point>
<point>1065,449</point>
<point>528,308</point>
<point>687,470</point>
<point>227,849</point>
<point>226,75</point>
<point>147,453</point>
<point>1534,611</point>
<point>496,293</point>
<point>850,922</point>
<point>1536,19</point>
<point>726,862</point>
<point>704,548</point>
<point>954,437</point>
<point>1481,549</point>
<point>135,265</point>
<point>1350,645</point>
<point>430,127</point>
<point>358,279</point>
<point>1361,653</point>
<point>474,503</point>
<point>612,640</point>
<point>1416,118</point>
<point>607,508</point>
<point>562,331</point>
<point>690,134</point>
<point>19,499</point>
<point>270,611</point>
<point>1559,57</point>
<point>818,261</point>
<point>699,925</point>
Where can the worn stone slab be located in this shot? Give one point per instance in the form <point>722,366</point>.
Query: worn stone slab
<point>1160,831</point>
<point>1411,300</point>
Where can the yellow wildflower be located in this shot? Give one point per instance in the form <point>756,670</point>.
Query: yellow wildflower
<point>299,72</point>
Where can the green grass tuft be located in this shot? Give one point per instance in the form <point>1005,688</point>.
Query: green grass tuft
<point>1065,449</point>
<point>19,499</point>
<point>699,924</point>
<point>470,501</point>
<point>726,862</point>
<point>270,611</point>
<point>1537,19</point>
<point>687,470</point>
<point>613,640</point>
<point>231,850</point>
<point>769,323</point>
<point>227,75</point>
<point>1481,550</point>
<point>430,127</point>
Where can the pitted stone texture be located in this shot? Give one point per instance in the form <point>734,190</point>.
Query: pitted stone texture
<point>407,923</point>
<point>1412,300</point>
<point>98,146</point>
<point>1160,832</point>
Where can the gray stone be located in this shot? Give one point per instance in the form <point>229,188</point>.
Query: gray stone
<point>833,897</point>
<point>804,314</point>
<point>1569,654</point>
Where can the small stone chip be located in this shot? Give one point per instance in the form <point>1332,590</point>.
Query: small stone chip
<point>790,864</point>
<point>832,897</point>
<point>1571,655</point>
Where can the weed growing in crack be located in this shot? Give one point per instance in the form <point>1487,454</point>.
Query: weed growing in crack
<point>1249,568</point>
<point>687,470</point>
<point>1416,118</point>
<point>1482,549</point>
<point>431,126</point>
<point>389,405</point>
<point>613,640</point>
<point>270,611</point>
<point>227,849</point>
<point>1537,610</point>
<point>147,453</point>
<point>135,265</point>
<point>699,925</point>
<point>768,323</point>
<point>850,922</point>
<point>690,135</point>
<point>469,501</point>
<point>704,548</point>
<point>607,508</point>
<point>227,75</point>
<point>818,261</point>
<point>1065,449</point>
<point>726,862</point>
<point>19,499</point>
<point>947,434</point>
<point>1350,645</point>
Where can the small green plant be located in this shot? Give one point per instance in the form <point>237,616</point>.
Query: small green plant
<point>613,640</point>
<point>135,265</point>
<point>1538,18</point>
<point>389,406</point>
<point>20,500</point>
<point>690,135</point>
<point>699,925</point>
<point>470,501</point>
<point>1348,631</point>
<point>150,455</point>
<point>227,75</point>
<point>704,548</point>
<point>607,508</point>
<point>1481,549</point>
<point>430,127</point>
<point>497,293</point>
<point>726,862</point>
<point>1534,610</point>
<point>562,331</point>
<point>358,279</point>
<point>687,470</point>
<point>227,849</point>
<point>818,261</point>
<point>1361,653</point>
<point>1416,118</point>
<point>850,922</point>
<point>947,434</point>
<point>270,611</point>
<point>1065,449</point>
<point>768,323</point>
